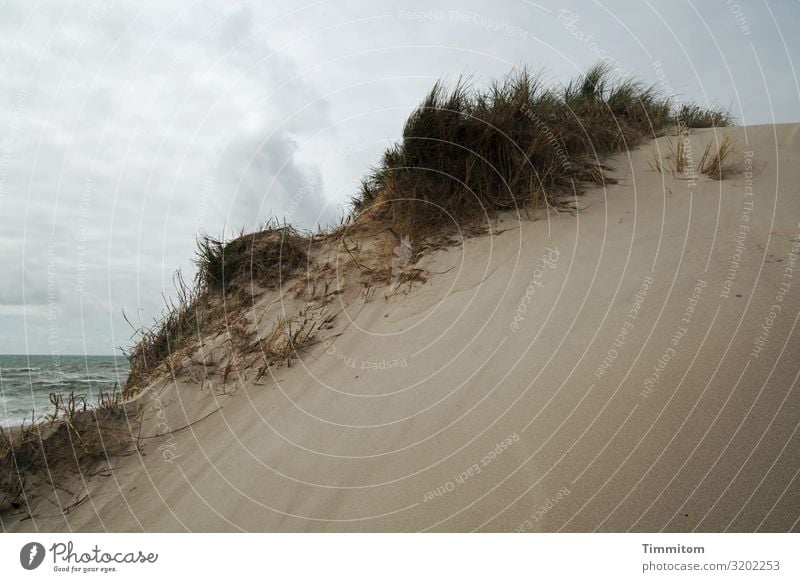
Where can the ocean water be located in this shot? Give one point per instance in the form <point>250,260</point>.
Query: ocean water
<point>27,381</point>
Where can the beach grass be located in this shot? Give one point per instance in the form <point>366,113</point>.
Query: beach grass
<point>267,256</point>
<point>228,272</point>
<point>695,116</point>
<point>74,435</point>
<point>466,153</point>
<point>181,322</point>
<point>715,161</point>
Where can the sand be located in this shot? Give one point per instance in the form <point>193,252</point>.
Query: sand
<point>632,367</point>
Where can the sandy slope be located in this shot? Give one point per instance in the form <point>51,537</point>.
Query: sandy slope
<point>487,423</point>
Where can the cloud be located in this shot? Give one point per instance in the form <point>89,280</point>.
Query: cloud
<point>127,128</point>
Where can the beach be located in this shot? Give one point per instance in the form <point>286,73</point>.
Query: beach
<point>631,366</point>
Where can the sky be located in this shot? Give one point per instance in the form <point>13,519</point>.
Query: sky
<point>127,128</point>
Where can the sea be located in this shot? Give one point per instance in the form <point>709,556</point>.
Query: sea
<point>27,381</point>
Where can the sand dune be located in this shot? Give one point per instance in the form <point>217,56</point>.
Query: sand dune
<point>632,367</point>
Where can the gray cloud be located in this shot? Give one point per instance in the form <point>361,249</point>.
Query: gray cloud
<point>126,129</point>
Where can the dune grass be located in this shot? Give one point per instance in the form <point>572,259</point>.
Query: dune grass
<point>76,434</point>
<point>267,257</point>
<point>182,322</point>
<point>466,153</point>
<point>715,161</point>
<point>679,156</point>
<point>263,259</point>
<point>692,115</point>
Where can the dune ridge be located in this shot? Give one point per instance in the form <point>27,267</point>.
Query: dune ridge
<point>630,366</point>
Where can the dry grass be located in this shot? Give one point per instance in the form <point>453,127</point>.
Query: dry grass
<point>75,435</point>
<point>181,324</point>
<point>287,337</point>
<point>228,273</point>
<point>692,115</point>
<point>266,257</point>
<point>679,157</point>
<point>655,162</point>
<point>465,153</point>
<point>715,162</point>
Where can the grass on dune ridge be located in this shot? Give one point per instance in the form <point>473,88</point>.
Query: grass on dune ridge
<point>225,270</point>
<point>73,438</point>
<point>516,145</point>
<point>465,153</point>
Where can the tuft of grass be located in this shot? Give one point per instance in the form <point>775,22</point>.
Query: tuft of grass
<point>655,162</point>
<point>679,154</point>
<point>714,162</point>
<point>70,439</point>
<point>267,257</point>
<point>466,153</point>
<point>183,320</point>
<point>286,338</point>
<point>693,115</point>
<point>716,165</point>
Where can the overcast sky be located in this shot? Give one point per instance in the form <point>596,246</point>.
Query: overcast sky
<point>128,127</point>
